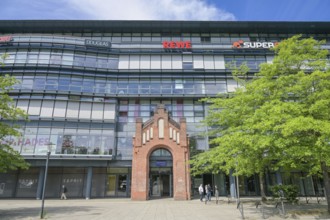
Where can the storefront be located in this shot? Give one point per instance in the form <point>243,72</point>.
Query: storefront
<point>84,85</point>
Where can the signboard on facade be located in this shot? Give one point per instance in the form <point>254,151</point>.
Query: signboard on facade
<point>254,45</point>
<point>161,163</point>
<point>97,43</point>
<point>5,39</point>
<point>176,44</point>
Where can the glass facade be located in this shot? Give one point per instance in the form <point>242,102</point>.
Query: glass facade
<point>83,100</point>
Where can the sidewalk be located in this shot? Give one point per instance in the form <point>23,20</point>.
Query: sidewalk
<point>161,209</point>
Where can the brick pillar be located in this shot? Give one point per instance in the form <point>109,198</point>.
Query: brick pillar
<point>140,171</point>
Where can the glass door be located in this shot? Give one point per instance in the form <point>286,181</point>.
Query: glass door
<point>155,185</point>
<point>111,185</point>
<point>160,185</point>
<point>166,185</point>
<point>122,185</point>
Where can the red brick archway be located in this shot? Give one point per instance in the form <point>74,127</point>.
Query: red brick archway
<point>160,132</point>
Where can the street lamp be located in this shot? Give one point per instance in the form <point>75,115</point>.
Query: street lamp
<point>238,202</point>
<point>45,179</point>
<point>237,184</point>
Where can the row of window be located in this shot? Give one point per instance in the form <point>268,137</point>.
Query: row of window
<point>252,62</point>
<point>68,109</point>
<point>45,57</point>
<point>185,62</point>
<point>63,141</point>
<point>62,97</point>
<point>210,86</point>
<point>158,37</point>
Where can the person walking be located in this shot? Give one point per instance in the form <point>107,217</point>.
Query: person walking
<point>201,192</point>
<point>208,190</point>
<point>64,191</point>
<point>216,194</point>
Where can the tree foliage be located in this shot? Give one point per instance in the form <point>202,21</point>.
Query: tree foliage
<point>279,118</point>
<point>9,158</point>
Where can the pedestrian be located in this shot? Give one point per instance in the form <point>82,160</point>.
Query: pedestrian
<point>207,193</point>
<point>64,191</point>
<point>201,192</point>
<point>216,194</point>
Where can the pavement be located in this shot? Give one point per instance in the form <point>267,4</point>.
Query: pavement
<point>157,209</point>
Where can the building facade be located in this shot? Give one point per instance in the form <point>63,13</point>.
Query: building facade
<point>91,87</point>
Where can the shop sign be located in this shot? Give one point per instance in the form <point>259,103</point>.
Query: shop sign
<point>176,44</point>
<point>5,39</point>
<point>72,180</point>
<point>97,43</point>
<point>254,45</point>
<point>29,141</point>
<point>161,163</point>
<point>27,183</point>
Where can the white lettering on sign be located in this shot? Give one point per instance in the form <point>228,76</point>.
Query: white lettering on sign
<point>97,43</point>
<point>255,45</point>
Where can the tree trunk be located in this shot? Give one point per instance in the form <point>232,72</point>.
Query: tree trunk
<point>326,183</point>
<point>262,187</point>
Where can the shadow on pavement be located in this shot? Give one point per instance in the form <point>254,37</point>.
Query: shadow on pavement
<point>49,212</point>
<point>291,211</point>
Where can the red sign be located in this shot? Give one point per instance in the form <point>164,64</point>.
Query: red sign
<point>6,38</point>
<point>177,44</point>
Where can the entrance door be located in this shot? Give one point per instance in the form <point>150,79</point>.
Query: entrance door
<point>160,185</point>
<point>122,185</point>
<point>160,175</point>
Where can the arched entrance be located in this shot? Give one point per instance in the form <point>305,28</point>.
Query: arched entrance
<point>160,132</point>
<point>160,173</point>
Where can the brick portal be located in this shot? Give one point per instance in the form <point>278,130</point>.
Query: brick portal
<point>160,132</point>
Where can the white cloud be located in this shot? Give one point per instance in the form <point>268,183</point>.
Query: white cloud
<point>150,10</point>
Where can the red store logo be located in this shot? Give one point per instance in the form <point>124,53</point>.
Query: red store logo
<point>6,39</point>
<point>176,44</point>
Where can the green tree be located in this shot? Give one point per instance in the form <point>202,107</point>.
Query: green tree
<point>10,159</point>
<point>279,118</point>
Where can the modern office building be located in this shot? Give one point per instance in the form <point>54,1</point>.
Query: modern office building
<point>118,102</point>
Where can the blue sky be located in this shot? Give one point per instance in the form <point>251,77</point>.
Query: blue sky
<point>238,10</point>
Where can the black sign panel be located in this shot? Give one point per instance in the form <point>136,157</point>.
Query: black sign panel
<point>97,43</point>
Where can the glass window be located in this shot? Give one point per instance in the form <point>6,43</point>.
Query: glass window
<point>90,62</point>
<point>113,63</point>
<point>55,59</point>
<point>79,60</point>
<point>85,110</point>
<point>206,39</point>
<point>27,84</point>
<point>102,63</point>
<point>187,65</point>
<point>32,58</point>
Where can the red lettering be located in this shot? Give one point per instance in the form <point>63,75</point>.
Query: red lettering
<point>180,44</point>
<point>27,142</point>
<point>5,38</point>
<point>177,44</point>
<point>165,44</point>
<point>19,142</point>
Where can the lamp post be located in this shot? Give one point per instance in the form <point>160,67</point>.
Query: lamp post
<point>45,179</point>
<point>237,184</point>
<point>238,202</point>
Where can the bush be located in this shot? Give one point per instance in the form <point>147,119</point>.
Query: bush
<point>288,192</point>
